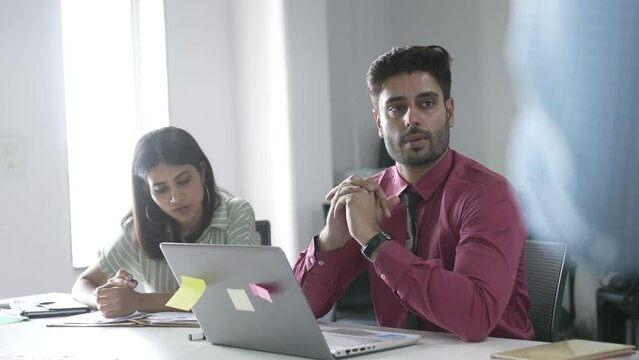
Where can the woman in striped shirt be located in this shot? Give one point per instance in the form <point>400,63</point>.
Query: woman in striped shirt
<point>175,199</point>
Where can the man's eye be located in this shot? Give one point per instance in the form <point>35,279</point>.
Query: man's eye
<point>396,108</point>
<point>427,104</point>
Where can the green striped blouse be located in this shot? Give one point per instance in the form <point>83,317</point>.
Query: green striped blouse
<point>232,223</point>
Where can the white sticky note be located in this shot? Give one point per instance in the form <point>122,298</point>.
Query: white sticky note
<point>240,300</point>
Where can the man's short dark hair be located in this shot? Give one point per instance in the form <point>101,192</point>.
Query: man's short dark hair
<point>433,59</point>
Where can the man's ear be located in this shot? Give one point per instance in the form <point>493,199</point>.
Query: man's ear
<point>378,123</point>
<point>450,111</point>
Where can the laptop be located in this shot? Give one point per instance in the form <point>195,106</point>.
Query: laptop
<point>253,301</point>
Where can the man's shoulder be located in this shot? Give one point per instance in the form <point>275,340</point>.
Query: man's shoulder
<point>385,176</point>
<point>471,171</point>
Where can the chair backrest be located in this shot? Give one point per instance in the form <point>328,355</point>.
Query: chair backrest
<point>546,270</point>
<point>263,228</point>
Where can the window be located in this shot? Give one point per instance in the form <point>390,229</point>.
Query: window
<point>116,90</point>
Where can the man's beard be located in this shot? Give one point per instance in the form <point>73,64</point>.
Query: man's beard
<point>435,147</point>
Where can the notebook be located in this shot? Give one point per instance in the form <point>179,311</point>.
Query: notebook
<point>574,349</point>
<point>48,305</point>
<point>253,301</point>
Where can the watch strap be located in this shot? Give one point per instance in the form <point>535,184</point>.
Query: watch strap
<point>374,243</point>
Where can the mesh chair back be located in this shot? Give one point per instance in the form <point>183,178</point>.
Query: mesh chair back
<point>546,280</point>
<point>263,228</point>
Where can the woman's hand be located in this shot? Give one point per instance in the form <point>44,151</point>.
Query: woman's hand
<point>117,298</point>
<point>123,278</point>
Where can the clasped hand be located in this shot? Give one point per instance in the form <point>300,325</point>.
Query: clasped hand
<point>117,297</point>
<point>357,207</point>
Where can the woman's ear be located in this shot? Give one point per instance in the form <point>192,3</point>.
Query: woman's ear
<point>202,170</point>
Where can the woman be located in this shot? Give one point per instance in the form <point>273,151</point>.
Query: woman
<point>175,199</point>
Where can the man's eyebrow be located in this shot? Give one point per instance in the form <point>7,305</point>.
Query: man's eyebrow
<point>395,99</point>
<point>429,94</point>
<point>425,94</point>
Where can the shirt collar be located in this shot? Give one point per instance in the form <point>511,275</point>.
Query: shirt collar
<point>424,186</point>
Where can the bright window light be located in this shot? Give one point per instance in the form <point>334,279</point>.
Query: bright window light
<point>115,90</point>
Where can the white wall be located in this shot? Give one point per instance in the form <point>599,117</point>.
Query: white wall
<point>202,99</point>
<point>35,250</point>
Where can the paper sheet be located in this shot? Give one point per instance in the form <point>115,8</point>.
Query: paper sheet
<point>240,300</point>
<point>260,291</point>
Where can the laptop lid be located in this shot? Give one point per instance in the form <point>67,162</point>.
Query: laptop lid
<point>252,300</point>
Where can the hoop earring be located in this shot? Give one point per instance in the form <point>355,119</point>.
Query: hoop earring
<point>208,195</point>
<point>146,211</point>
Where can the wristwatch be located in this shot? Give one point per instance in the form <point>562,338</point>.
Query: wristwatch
<point>374,243</point>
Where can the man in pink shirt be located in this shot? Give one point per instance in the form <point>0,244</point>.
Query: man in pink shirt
<point>441,235</point>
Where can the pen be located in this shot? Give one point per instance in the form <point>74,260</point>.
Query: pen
<point>196,337</point>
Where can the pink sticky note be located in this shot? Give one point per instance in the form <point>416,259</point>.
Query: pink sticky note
<point>261,292</point>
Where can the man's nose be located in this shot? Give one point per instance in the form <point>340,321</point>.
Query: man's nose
<point>412,117</point>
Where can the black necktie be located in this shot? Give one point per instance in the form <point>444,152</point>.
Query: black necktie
<point>411,198</point>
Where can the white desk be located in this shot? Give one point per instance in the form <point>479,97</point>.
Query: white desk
<point>33,340</point>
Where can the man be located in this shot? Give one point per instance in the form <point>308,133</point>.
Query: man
<point>451,259</point>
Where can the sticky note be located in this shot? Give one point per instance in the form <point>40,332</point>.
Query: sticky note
<point>188,294</point>
<point>240,300</point>
<point>259,291</point>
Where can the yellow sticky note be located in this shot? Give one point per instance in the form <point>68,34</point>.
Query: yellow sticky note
<point>240,300</point>
<point>188,294</point>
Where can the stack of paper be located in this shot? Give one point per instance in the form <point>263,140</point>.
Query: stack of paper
<point>96,318</point>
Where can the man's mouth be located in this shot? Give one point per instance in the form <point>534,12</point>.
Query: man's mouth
<point>416,137</point>
<point>416,140</point>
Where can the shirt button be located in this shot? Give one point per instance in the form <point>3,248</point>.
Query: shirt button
<point>311,260</point>
<point>321,262</point>
<point>383,276</point>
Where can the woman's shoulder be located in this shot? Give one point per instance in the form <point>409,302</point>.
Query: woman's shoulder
<point>234,203</point>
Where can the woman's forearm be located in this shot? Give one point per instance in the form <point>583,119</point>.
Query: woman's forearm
<point>154,302</point>
<point>82,291</point>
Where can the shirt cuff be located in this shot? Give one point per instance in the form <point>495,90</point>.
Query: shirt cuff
<point>391,262</point>
<point>320,258</point>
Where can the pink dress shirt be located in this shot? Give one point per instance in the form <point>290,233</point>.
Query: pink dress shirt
<point>468,273</point>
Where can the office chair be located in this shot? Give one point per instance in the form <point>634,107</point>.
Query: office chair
<point>546,270</point>
<point>263,228</point>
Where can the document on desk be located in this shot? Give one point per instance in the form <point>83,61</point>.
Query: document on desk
<point>96,318</point>
<point>574,349</point>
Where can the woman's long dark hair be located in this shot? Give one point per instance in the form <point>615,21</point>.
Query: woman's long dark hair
<point>173,146</point>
